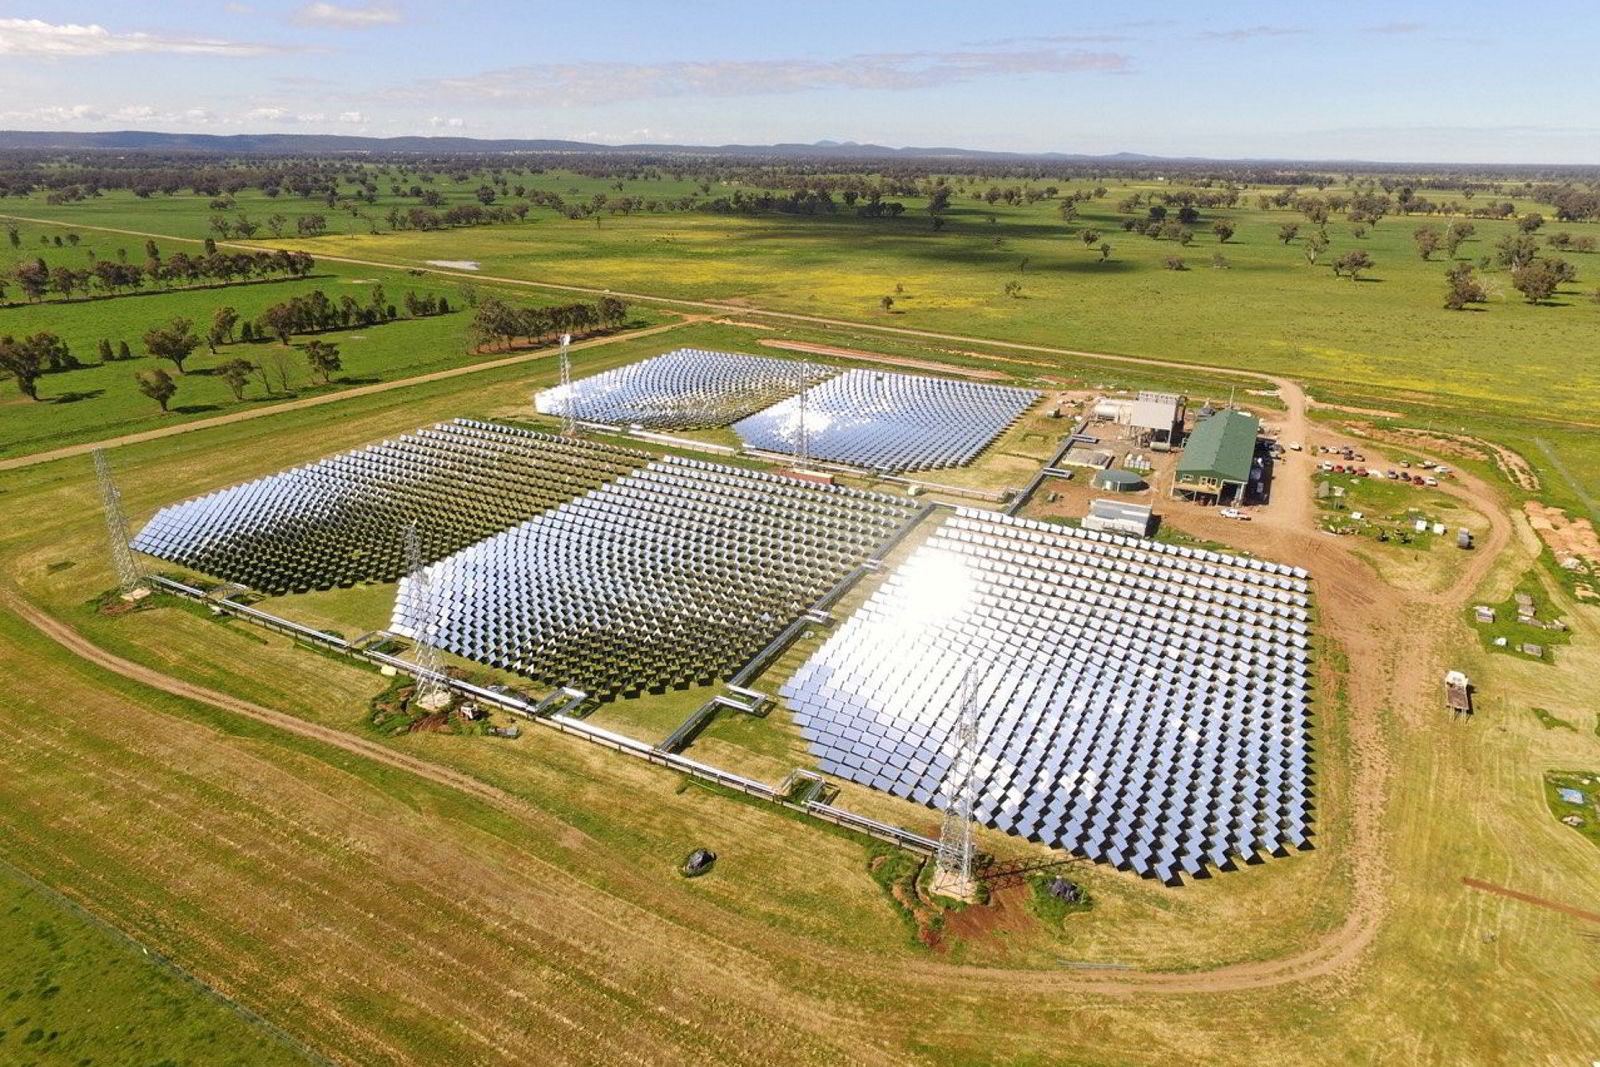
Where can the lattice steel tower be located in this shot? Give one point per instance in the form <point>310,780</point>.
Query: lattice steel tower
<point>569,416</point>
<point>960,793</point>
<point>129,576</point>
<point>802,449</point>
<point>430,691</point>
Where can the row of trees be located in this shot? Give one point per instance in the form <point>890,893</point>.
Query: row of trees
<point>494,320</point>
<point>322,359</point>
<point>37,279</point>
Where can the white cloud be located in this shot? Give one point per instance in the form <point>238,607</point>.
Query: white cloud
<point>34,37</point>
<point>348,17</point>
<point>439,122</point>
<point>352,116</point>
<point>572,85</point>
<point>1246,33</point>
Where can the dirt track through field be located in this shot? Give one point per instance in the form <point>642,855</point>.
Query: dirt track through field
<point>1367,619</point>
<point>1529,898</point>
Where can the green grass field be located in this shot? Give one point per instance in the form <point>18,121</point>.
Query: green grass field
<point>101,399</point>
<point>76,992</point>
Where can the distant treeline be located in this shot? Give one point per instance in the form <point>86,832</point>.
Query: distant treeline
<point>340,181</point>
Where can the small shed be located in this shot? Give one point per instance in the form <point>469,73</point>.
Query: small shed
<point>1483,613</point>
<point>1116,516</point>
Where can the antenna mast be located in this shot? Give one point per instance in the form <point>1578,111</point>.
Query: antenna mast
<point>430,692</point>
<point>954,874</point>
<point>569,417</point>
<point>129,577</point>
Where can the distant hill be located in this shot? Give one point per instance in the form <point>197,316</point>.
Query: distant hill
<point>297,143</point>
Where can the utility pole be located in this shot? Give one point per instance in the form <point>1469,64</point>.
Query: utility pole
<point>954,875</point>
<point>430,692</point>
<point>130,579</point>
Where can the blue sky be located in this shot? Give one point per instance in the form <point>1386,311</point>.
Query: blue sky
<point>1460,80</point>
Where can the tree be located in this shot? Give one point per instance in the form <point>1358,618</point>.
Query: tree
<point>1456,235</point>
<point>123,351</point>
<point>279,362</point>
<point>175,341</point>
<point>1174,263</point>
<point>24,364</point>
<point>1315,245</point>
<point>1105,252</point>
<point>103,350</point>
<point>1352,264</point>
<point>223,320</point>
<point>323,359</point>
<point>1089,237</point>
<point>1288,232</point>
<point>1223,228</point>
<point>1530,222</point>
<point>156,384</point>
<point>1462,287</point>
<point>887,303</point>
<point>1516,250</point>
<point>236,372</point>
<point>1537,279</point>
<point>1428,241</point>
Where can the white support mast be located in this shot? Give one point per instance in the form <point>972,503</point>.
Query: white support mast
<point>569,415</point>
<point>430,693</point>
<point>954,875</point>
<point>802,450</point>
<point>130,579</point>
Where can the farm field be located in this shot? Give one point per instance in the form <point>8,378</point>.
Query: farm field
<point>101,399</point>
<point>1268,309</point>
<point>405,886</point>
<point>55,960</point>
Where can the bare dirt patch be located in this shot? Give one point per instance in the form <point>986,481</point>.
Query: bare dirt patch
<point>1570,539</point>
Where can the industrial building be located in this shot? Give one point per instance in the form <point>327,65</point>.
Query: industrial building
<point>1153,419</point>
<point>1218,458</point>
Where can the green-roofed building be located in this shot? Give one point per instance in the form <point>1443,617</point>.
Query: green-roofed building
<point>1218,455</point>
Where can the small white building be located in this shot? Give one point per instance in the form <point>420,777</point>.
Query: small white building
<point>1116,516</point>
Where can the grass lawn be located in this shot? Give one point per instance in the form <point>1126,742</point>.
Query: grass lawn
<point>101,399</point>
<point>73,991</point>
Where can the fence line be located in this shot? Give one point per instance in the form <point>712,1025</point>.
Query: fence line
<point>896,835</point>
